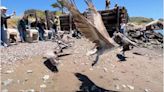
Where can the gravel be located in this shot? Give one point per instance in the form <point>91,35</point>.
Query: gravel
<point>23,51</point>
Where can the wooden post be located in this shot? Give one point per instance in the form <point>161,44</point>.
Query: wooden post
<point>118,18</point>
<point>70,22</point>
<point>47,19</point>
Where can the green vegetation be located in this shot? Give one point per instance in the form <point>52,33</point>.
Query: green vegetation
<point>58,13</point>
<point>12,23</point>
<point>161,19</point>
<point>140,20</point>
<point>38,13</point>
<point>59,5</point>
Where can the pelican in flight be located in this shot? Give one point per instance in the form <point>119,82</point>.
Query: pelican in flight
<point>94,30</point>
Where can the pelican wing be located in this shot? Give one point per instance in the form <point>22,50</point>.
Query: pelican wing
<point>95,32</point>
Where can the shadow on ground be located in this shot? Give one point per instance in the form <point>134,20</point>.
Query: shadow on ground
<point>51,65</point>
<point>89,86</point>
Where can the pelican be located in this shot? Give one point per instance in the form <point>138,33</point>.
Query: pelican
<point>93,30</point>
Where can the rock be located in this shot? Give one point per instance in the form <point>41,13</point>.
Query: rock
<point>91,69</point>
<point>18,81</point>
<point>46,77</point>
<point>4,90</point>
<point>124,86</point>
<point>43,86</point>
<point>130,87</point>
<point>7,82</point>
<point>26,79</point>
<point>147,90</point>
<point>117,87</point>
<point>9,71</point>
<point>30,90</point>
<point>86,63</point>
<point>105,69</point>
<point>74,62</point>
<point>29,71</point>
<point>115,79</point>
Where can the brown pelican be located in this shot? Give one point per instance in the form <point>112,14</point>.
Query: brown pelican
<point>93,30</point>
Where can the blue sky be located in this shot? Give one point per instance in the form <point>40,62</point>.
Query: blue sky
<point>146,8</point>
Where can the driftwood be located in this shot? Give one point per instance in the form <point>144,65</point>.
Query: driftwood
<point>146,34</point>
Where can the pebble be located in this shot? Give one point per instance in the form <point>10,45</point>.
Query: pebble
<point>18,81</point>
<point>30,90</point>
<point>105,69</point>
<point>91,69</point>
<point>24,51</point>
<point>7,82</point>
<point>147,90</point>
<point>130,87</point>
<point>29,71</point>
<point>26,79</point>
<point>74,62</point>
<point>46,77</point>
<point>117,87</point>
<point>43,86</point>
<point>86,63</point>
<point>124,86</point>
<point>9,71</point>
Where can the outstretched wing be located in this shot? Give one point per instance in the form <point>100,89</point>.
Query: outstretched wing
<point>95,32</point>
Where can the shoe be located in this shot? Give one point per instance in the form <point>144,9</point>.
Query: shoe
<point>5,45</point>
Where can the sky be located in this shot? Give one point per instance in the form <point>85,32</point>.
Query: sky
<point>146,8</point>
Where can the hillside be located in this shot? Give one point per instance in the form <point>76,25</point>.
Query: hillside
<point>12,22</point>
<point>140,20</point>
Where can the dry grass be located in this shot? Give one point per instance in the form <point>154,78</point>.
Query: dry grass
<point>12,22</point>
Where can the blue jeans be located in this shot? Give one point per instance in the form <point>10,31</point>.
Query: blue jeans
<point>41,35</point>
<point>54,32</point>
<point>122,31</point>
<point>22,35</point>
<point>3,36</point>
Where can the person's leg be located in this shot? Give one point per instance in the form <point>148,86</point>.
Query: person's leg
<point>43,36</point>
<point>40,36</point>
<point>4,37</point>
<point>1,38</point>
<point>49,35</point>
<point>121,31</point>
<point>24,35</point>
<point>21,35</point>
<point>53,34</point>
